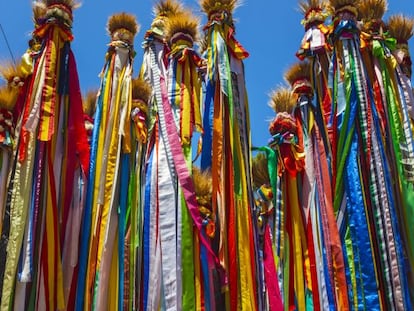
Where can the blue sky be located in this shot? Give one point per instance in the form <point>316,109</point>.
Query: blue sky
<point>269,29</point>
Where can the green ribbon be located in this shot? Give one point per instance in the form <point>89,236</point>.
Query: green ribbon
<point>187,248</point>
<point>398,139</point>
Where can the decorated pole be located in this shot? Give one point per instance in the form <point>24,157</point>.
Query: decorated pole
<point>293,245</point>
<point>46,168</point>
<point>324,248</point>
<point>391,119</point>
<point>365,105</point>
<point>141,96</point>
<point>316,48</point>
<point>8,98</point>
<point>99,281</point>
<point>401,28</point>
<point>12,95</point>
<point>265,184</point>
<point>172,65</point>
<point>161,251</point>
<point>352,209</point>
<point>226,152</point>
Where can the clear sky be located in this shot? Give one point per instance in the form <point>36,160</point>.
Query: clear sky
<point>269,29</point>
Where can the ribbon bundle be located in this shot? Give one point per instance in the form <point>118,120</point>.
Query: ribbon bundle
<point>353,120</point>
<point>46,177</point>
<point>104,207</point>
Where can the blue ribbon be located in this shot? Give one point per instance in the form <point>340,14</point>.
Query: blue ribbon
<point>345,26</point>
<point>146,233</point>
<point>63,83</point>
<point>206,274</point>
<point>173,93</point>
<point>208,117</point>
<point>87,219</point>
<point>364,264</point>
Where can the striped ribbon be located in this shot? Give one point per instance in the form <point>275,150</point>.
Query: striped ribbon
<point>178,158</point>
<point>366,291</point>
<point>86,225</point>
<point>400,143</point>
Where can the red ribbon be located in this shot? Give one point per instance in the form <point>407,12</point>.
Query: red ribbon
<point>270,274</point>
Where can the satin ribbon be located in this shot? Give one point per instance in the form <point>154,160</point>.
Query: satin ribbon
<point>125,170</point>
<point>86,225</point>
<point>184,93</point>
<point>119,107</point>
<point>390,238</point>
<point>179,162</point>
<point>229,185</point>
<point>330,232</point>
<point>190,248</point>
<point>401,147</point>
<point>275,300</point>
<point>361,234</point>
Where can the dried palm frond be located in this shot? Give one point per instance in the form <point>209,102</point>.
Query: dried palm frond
<point>15,74</point>
<point>282,99</point>
<point>167,8</point>
<point>8,97</point>
<point>203,186</point>
<point>299,77</point>
<point>89,102</point>
<point>307,5</point>
<point>164,10</point>
<point>341,7</point>
<point>211,6</point>
<point>313,11</point>
<point>338,4</point>
<point>184,23</point>
<point>369,10</point>
<point>73,4</point>
<point>260,171</point>
<point>298,71</point>
<point>57,9</point>
<point>39,10</point>
<point>123,26</point>
<point>401,27</point>
<point>9,71</point>
<point>141,90</point>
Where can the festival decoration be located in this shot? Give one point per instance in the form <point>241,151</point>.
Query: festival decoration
<point>108,205</point>
<point>291,239</point>
<point>8,97</point>
<point>324,249</point>
<point>264,165</point>
<point>101,274</point>
<point>45,185</point>
<point>402,29</point>
<point>389,79</point>
<point>226,152</point>
<point>141,95</point>
<point>172,222</point>
<point>315,46</point>
<point>364,198</point>
<point>15,77</point>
